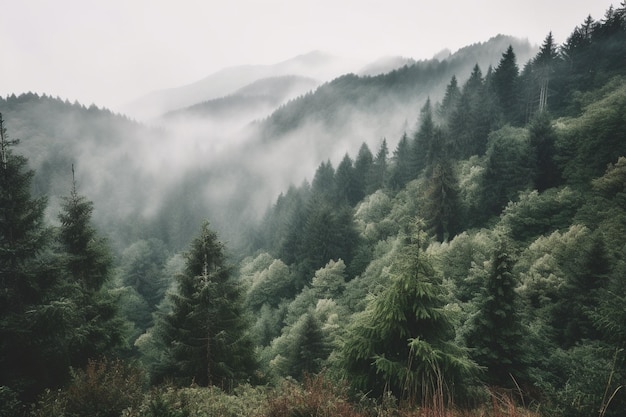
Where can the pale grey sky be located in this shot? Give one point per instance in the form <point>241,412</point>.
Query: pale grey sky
<point>109,52</point>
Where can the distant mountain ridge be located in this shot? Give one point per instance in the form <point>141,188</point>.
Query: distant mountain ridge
<point>142,172</point>
<point>253,101</point>
<point>389,100</point>
<point>316,65</point>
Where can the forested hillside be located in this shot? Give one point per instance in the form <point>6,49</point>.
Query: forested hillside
<point>474,267</point>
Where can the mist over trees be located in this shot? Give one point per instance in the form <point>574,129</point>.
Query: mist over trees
<point>474,259</point>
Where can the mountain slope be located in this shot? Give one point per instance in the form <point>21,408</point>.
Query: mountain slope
<point>316,65</point>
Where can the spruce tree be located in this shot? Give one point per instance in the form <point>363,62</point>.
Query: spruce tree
<point>402,340</point>
<point>401,172</point>
<point>87,263</point>
<point>495,335</point>
<point>33,318</point>
<point>441,210</point>
<point>505,86</point>
<point>205,336</point>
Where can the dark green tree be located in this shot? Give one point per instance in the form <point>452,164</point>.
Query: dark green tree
<point>426,146</point>
<point>97,327</point>
<point>362,169</point>
<point>470,123</point>
<point>142,268</point>
<point>345,182</point>
<point>542,142</point>
<point>308,347</point>
<point>205,335</point>
<point>505,86</point>
<point>495,336</point>
<point>88,257</point>
<point>33,317</point>
<point>380,169</point>
<point>450,99</point>
<point>507,170</point>
<point>401,167</point>
<point>543,67</point>
<point>441,211</point>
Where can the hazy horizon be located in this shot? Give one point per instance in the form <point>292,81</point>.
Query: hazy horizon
<point>111,53</point>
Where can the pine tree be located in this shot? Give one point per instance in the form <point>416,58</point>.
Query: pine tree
<point>542,142</point>
<point>450,100</point>
<point>401,172</point>
<point>441,210</point>
<point>33,318</point>
<point>543,67</point>
<point>362,169</point>
<point>308,347</point>
<point>97,327</point>
<point>425,146</point>
<point>505,85</point>
<point>495,336</point>
<point>345,183</point>
<point>205,335</point>
<point>378,177</point>
<point>402,341</point>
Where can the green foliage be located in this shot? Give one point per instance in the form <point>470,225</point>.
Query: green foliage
<point>495,336</point>
<point>201,402</point>
<point>505,84</point>
<point>536,214</point>
<point>205,335</point>
<point>318,397</point>
<point>103,389</point>
<point>401,340</point>
<point>142,268</point>
<point>595,139</point>
<point>441,210</point>
<point>561,276</point>
<point>98,329</point>
<point>507,168</point>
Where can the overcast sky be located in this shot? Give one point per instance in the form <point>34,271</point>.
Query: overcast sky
<point>109,52</point>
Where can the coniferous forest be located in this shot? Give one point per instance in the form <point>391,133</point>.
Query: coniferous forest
<point>477,266</point>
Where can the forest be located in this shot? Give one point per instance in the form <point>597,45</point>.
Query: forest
<point>478,268</point>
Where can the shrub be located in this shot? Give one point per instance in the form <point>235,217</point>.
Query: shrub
<point>103,389</point>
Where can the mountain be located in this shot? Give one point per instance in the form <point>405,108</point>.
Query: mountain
<point>254,101</point>
<point>385,64</point>
<point>317,65</point>
<point>345,112</point>
<point>138,175</point>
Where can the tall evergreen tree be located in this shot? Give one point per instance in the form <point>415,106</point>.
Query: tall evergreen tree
<point>425,147</point>
<point>205,335</point>
<point>402,341</point>
<point>495,335</point>
<point>543,67</point>
<point>32,318</point>
<point>345,184</point>
<point>380,169</point>
<point>450,99</point>
<point>441,210</point>
<point>401,172</point>
<point>97,328</point>
<point>505,85</point>
<point>362,169</point>
<point>309,347</point>
<point>542,142</point>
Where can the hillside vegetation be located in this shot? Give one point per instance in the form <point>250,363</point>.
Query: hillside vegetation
<point>477,268</point>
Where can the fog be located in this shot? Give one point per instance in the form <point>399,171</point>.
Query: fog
<point>227,159</point>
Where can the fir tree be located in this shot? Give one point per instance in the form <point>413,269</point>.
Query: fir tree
<point>505,85</point>
<point>97,327</point>
<point>495,337</point>
<point>33,316</point>
<point>402,341</point>
<point>205,335</point>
